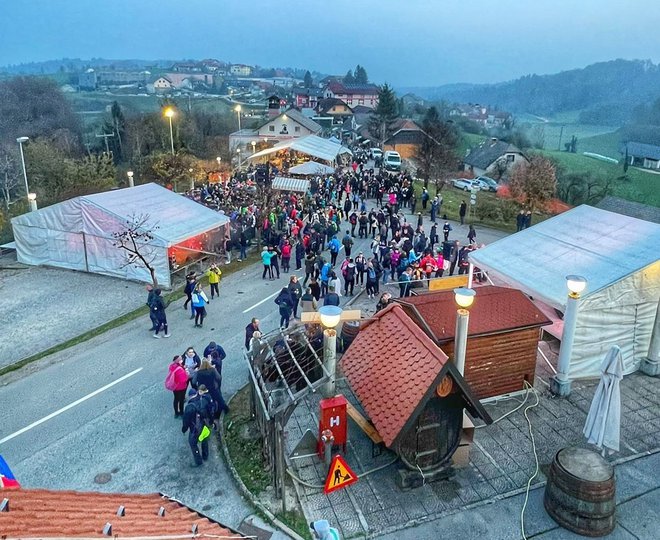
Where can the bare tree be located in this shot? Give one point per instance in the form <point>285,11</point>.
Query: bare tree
<point>10,177</point>
<point>134,240</point>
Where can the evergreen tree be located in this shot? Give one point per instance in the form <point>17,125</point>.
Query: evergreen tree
<point>382,120</point>
<point>308,80</point>
<point>349,78</point>
<point>360,75</point>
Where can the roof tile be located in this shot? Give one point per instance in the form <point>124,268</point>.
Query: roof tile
<point>49,514</point>
<point>495,309</point>
<point>390,386</point>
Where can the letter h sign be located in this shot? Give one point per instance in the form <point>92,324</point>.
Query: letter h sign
<point>333,417</point>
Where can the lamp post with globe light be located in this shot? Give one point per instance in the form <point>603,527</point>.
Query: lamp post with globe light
<point>464,298</point>
<point>169,114</point>
<point>560,384</point>
<point>330,317</point>
<point>238,153</point>
<point>21,141</point>
<point>238,115</point>
<point>130,179</point>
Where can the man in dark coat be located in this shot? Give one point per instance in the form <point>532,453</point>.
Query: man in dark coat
<point>250,329</point>
<point>197,416</point>
<point>157,311</point>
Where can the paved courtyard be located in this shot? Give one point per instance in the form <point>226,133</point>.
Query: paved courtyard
<point>501,458</point>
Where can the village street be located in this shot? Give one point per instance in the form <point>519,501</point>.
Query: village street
<point>101,407</point>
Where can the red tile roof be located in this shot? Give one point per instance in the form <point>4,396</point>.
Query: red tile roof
<point>390,366</point>
<point>495,310</point>
<point>42,513</point>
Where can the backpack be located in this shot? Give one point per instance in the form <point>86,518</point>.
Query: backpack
<point>170,381</point>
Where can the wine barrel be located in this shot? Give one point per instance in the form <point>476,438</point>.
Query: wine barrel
<point>349,330</point>
<point>579,494</point>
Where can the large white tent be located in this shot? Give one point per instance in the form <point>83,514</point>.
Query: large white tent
<point>312,145</point>
<point>618,255</point>
<point>77,234</point>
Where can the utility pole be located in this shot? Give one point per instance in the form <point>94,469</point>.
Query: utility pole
<point>105,138</point>
<point>561,133</point>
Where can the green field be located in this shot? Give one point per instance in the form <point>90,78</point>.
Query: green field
<point>550,129</point>
<point>607,144</point>
<point>636,185</point>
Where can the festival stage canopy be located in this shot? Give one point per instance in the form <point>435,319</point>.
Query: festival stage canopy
<point>311,145</point>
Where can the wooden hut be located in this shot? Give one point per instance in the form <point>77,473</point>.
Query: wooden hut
<point>503,335</point>
<point>411,392</point>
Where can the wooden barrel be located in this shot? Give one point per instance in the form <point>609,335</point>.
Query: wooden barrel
<point>349,330</point>
<point>579,494</point>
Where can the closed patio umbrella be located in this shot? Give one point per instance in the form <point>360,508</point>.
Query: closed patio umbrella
<point>604,419</point>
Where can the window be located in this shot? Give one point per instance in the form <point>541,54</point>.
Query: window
<point>297,129</point>
<point>360,101</point>
<point>271,128</point>
<point>510,158</point>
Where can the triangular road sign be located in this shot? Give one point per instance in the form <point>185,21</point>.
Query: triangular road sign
<point>340,475</point>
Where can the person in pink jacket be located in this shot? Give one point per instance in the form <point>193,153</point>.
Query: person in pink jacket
<point>177,382</point>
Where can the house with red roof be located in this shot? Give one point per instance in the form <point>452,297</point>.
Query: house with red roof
<point>353,94</point>
<point>45,513</point>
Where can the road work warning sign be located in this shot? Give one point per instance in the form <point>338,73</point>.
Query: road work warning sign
<point>339,476</point>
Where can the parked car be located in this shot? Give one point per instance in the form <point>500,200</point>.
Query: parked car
<point>465,184</point>
<point>392,161</point>
<point>486,183</point>
<point>376,153</point>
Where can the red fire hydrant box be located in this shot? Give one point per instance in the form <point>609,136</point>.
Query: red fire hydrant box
<point>333,417</point>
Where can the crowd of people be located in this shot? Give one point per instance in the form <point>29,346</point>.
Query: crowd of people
<point>309,231</point>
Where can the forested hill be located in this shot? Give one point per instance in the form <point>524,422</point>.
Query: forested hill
<point>605,85</point>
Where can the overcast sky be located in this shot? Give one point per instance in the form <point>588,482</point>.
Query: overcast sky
<point>403,42</point>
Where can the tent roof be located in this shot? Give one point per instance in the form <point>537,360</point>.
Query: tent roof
<point>177,217</point>
<point>602,246</point>
<point>312,145</point>
<point>312,167</point>
<point>284,183</point>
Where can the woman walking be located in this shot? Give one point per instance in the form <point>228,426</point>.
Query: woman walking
<point>199,300</point>
<point>285,303</point>
<point>177,382</point>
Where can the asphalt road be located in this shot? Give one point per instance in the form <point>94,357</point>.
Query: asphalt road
<point>101,406</point>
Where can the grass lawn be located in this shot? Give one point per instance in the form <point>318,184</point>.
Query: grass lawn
<point>606,144</point>
<point>636,185</point>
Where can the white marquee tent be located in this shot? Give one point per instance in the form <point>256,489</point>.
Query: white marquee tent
<point>312,168</point>
<point>77,234</point>
<point>619,257</point>
<point>311,145</point>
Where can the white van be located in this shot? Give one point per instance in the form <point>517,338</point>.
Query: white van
<point>392,161</point>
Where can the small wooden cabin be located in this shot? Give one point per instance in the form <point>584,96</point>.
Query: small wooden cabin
<point>503,335</point>
<point>412,393</point>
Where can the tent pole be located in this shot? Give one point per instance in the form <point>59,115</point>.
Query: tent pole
<point>84,238</point>
<point>651,364</point>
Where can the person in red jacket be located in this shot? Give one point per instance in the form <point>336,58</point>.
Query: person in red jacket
<point>428,264</point>
<point>286,256</point>
<point>177,382</point>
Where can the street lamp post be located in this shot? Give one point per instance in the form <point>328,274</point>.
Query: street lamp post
<point>560,384</point>
<point>20,142</point>
<point>330,317</point>
<point>238,151</point>
<point>130,179</point>
<point>192,179</point>
<point>464,298</point>
<point>238,115</point>
<point>169,113</point>
<point>219,160</point>
<point>254,144</point>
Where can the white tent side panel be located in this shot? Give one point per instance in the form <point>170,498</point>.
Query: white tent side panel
<point>103,257</point>
<point>51,236</point>
<point>622,314</point>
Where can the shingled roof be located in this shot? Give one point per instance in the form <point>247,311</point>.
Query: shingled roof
<point>43,513</point>
<point>630,208</point>
<point>484,155</point>
<point>495,310</point>
<point>394,369</point>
